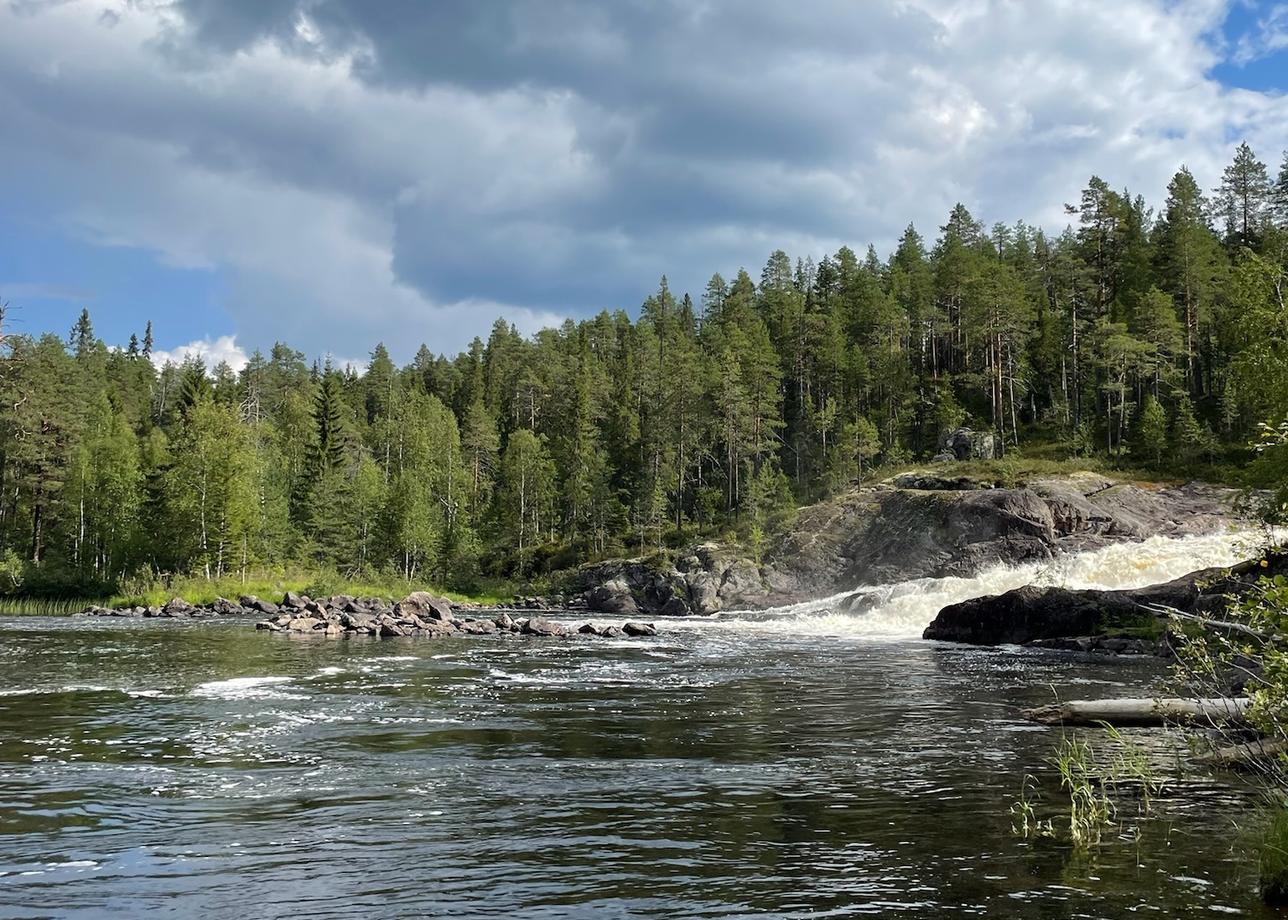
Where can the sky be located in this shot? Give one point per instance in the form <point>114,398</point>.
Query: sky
<point>338,173</point>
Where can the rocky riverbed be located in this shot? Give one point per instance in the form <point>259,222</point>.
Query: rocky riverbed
<point>420,614</point>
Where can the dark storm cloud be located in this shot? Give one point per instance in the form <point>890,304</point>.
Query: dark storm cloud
<point>678,104</point>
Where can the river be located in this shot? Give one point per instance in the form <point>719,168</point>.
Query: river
<point>791,763</point>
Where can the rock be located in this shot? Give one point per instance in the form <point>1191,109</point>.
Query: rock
<point>332,631</point>
<point>884,534</point>
<point>965,444</point>
<point>177,607</point>
<point>294,601</point>
<point>302,624</point>
<point>637,630</point>
<point>251,602</point>
<point>426,606</point>
<point>612,632</point>
<point>478,627</point>
<point>538,626</point>
<point>704,592</point>
<point>224,607</point>
<point>1036,615</point>
<point>931,482</point>
<point>614,596</point>
<point>389,630</point>
<point>268,625</point>
<point>503,620</point>
<point>588,629</point>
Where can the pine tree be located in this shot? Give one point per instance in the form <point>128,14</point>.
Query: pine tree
<point>147,340</point>
<point>1242,197</point>
<point>1151,431</point>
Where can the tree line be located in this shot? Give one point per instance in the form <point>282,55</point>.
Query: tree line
<point>1141,334</point>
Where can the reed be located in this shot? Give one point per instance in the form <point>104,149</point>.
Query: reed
<point>45,606</point>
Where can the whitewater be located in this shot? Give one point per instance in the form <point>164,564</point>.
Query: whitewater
<point>902,610</point>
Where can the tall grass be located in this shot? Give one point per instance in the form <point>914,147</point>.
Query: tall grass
<point>46,607</point>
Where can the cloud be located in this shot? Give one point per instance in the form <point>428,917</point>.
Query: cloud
<point>399,171</point>
<point>1267,37</point>
<point>211,351</point>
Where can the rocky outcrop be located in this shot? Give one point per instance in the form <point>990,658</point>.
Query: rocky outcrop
<point>917,525</point>
<point>890,532</point>
<point>697,583</point>
<point>1088,619</point>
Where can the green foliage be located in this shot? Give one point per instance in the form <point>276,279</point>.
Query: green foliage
<point>616,434</point>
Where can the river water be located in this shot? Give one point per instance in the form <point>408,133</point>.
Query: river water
<point>794,763</point>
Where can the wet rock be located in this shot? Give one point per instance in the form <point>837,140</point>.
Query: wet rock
<point>503,621</point>
<point>539,626</point>
<point>1033,614</point>
<point>224,607</point>
<point>637,630</point>
<point>478,627</point>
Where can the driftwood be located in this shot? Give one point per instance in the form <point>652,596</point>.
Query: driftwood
<point>1139,711</point>
<point>1244,755</point>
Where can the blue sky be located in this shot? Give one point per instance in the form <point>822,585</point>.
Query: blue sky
<point>336,173</point>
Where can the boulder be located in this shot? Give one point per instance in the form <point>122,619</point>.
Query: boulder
<point>539,626</point>
<point>965,444</point>
<point>251,602</point>
<point>177,606</point>
<point>613,596</point>
<point>1033,614</point>
<point>426,606</point>
<point>636,630</point>
<point>224,607</point>
<point>293,601</point>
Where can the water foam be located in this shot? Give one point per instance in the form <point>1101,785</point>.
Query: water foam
<point>240,688</point>
<point>903,610</point>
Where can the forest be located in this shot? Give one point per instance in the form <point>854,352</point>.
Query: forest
<point>1142,336</point>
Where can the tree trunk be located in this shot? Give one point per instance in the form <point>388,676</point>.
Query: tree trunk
<point>1139,711</point>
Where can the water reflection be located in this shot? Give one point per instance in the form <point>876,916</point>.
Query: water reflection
<point>209,770</point>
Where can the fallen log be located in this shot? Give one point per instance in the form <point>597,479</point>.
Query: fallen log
<point>1243,756</point>
<point>1139,711</point>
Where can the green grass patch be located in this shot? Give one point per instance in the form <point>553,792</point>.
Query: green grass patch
<point>272,586</point>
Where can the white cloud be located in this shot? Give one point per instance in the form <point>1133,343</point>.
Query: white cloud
<point>1268,37</point>
<point>374,189</point>
<point>211,351</point>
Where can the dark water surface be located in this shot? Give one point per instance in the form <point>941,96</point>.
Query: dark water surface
<point>205,770</point>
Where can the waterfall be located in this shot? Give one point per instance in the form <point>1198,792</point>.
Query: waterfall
<point>902,610</point>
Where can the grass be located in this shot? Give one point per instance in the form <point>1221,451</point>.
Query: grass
<point>1096,782</point>
<point>1273,858</point>
<point>271,586</point>
<point>45,606</point>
